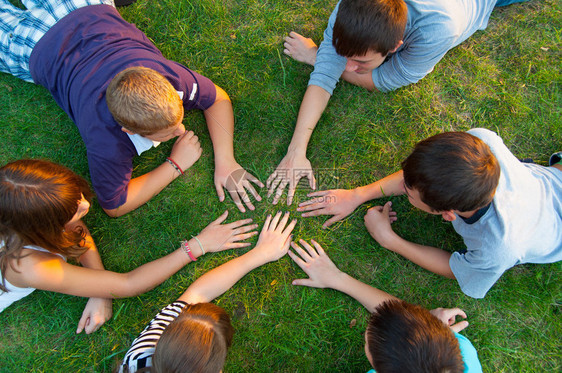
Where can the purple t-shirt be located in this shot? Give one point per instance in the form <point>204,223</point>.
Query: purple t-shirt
<point>77,58</point>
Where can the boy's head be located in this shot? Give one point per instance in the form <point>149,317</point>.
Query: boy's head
<point>452,171</point>
<point>142,101</point>
<point>367,30</point>
<point>402,338</point>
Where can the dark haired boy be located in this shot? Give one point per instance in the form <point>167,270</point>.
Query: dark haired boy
<point>400,337</point>
<point>506,211</point>
<point>376,44</point>
<point>75,48</point>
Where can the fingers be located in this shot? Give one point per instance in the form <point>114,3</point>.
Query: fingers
<point>386,208</point>
<point>290,227</point>
<point>82,323</point>
<point>312,181</point>
<point>280,191</point>
<point>237,201</point>
<point>239,196</point>
<point>272,181</point>
<point>237,245</point>
<point>459,312</point>
<point>303,282</point>
<point>303,254</point>
<point>244,236</point>
<point>250,188</point>
<point>310,249</point>
<point>220,192</point>
<point>297,259</point>
<point>459,326</point>
<point>291,193</point>
<point>275,221</point>
<point>254,180</point>
<point>266,223</point>
<point>331,221</point>
<point>319,249</point>
<point>283,222</point>
<point>221,218</point>
<point>242,225</point>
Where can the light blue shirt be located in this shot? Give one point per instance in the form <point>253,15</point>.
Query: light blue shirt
<point>433,27</point>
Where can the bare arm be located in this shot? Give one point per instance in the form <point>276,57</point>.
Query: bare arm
<point>323,273</point>
<point>228,173</point>
<point>185,153</point>
<point>97,310</point>
<point>341,202</point>
<point>377,221</point>
<point>49,272</point>
<point>273,244</point>
<point>295,165</point>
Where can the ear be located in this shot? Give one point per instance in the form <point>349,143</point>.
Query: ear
<point>396,47</point>
<point>448,215</point>
<point>127,131</point>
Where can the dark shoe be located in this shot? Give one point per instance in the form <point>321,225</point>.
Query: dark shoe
<point>555,158</point>
<point>123,2</point>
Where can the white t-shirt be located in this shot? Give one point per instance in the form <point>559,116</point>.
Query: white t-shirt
<point>522,225</point>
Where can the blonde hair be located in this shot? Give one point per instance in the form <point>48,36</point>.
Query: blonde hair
<point>142,101</point>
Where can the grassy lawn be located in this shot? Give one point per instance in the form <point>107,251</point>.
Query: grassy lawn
<point>506,78</point>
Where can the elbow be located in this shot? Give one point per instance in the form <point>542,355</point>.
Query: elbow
<point>221,95</point>
<point>114,213</point>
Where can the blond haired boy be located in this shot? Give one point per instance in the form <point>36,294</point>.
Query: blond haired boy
<point>123,96</point>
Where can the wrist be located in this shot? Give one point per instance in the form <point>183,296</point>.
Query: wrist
<point>297,150</point>
<point>360,195</point>
<point>191,249</point>
<point>337,281</point>
<point>173,164</point>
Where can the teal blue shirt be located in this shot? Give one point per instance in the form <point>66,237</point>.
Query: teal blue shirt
<point>468,353</point>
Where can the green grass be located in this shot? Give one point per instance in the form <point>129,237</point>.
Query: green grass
<point>505,78</point>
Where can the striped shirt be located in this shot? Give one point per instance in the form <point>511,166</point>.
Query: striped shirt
<point>140,354</point>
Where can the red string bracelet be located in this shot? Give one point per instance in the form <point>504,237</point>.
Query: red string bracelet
<point>174,165</point>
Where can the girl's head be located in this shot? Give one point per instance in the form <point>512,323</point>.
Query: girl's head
<point>37,200</point>
<point>197,341</point>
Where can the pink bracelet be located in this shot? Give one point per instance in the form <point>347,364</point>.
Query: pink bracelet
<point>175,165</point>
<point>185,247</point>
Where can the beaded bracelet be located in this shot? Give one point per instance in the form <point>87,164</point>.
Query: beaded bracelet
<point>174,165</point>
<point>185,247</point>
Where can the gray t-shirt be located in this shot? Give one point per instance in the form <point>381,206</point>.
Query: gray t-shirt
<point>522,225</point>
<point>433,28</point>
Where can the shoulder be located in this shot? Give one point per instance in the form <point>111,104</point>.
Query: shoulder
<point>469,354</point>
<point>35,264</point>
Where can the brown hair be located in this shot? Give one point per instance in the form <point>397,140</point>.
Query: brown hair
<point>197,341</point>
<point>37,199</point>
<point>452,171</point>
<point>142,101</point>
<point>369,25</point>
<point>403,338</point>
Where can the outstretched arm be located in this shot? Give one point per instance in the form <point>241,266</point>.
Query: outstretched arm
<point>341,202</point>
<point>323,273</point>
<point>273,243</point>
<point>228,173</point>
<point>295,165</point>
<point>49,272</point>
<point>378,220</point>
<point>185,153</point>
